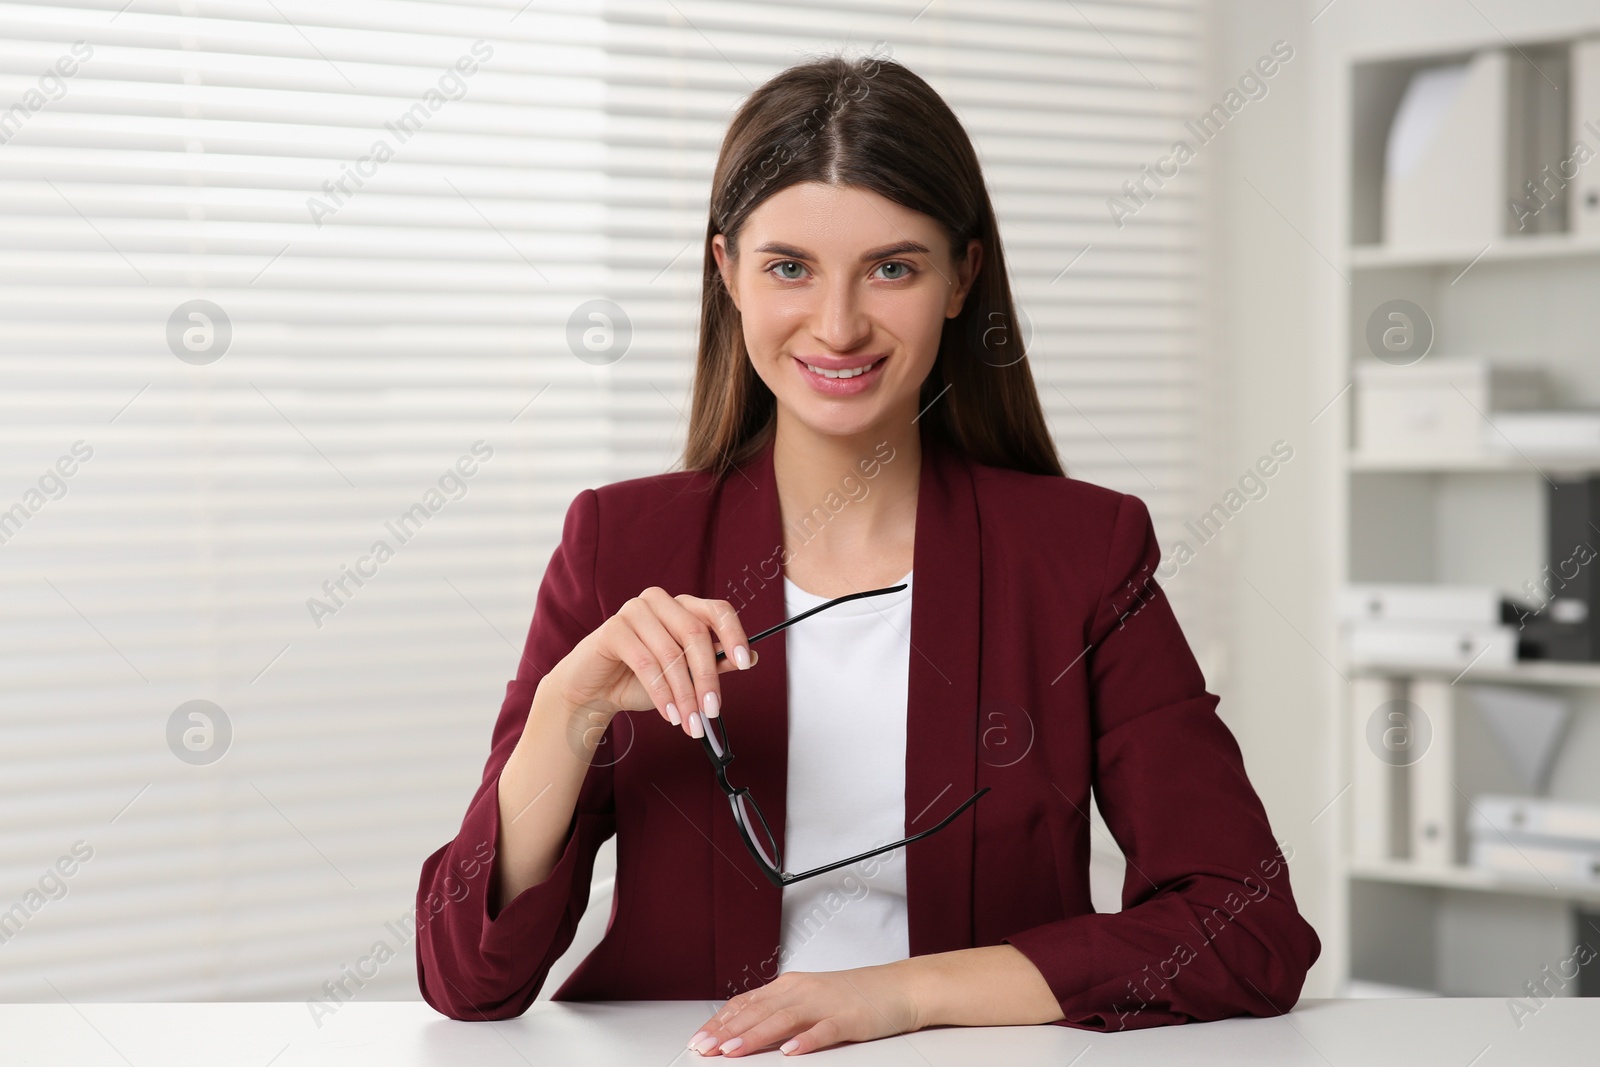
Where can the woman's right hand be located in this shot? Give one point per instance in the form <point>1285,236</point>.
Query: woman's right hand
<point>658,651</point>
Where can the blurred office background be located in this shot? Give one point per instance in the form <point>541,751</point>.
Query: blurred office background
<point>285,280</point>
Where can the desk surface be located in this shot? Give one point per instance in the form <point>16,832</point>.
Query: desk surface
<point>1318,1033</point>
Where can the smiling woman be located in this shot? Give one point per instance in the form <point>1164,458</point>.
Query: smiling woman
<point>855,296</point>
<point>886,240</point>
<point>792,351</point>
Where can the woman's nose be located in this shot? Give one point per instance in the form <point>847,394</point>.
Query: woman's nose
<point>841,321</point>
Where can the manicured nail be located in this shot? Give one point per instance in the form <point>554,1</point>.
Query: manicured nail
<point>672,714</point>
<point>700,1035</point>
<point>704,1045</point>
<point>789,1045</point>
<point>695,729</point>
<point>730,1045</point>
<point>713,708</point>
<point>741,657</point>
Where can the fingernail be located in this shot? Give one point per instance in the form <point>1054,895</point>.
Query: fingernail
<point>741,657</point>
<point>712,706</point>
<point>729,1046</point>
<point>695,729</point>
<point>700,1035</point>
<point>672,714</point>
<point>704,1045</point>
<point>789,1045</point>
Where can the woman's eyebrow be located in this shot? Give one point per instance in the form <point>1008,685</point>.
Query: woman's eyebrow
<point>900,249</point>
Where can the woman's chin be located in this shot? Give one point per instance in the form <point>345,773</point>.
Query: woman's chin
<point>827,420</point>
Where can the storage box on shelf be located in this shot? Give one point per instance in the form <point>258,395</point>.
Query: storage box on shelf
<point>1438,409</point>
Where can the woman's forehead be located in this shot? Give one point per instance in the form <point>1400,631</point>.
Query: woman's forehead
<point>817,218</point>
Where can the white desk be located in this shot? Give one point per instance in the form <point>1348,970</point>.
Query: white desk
<point>1318,1033</point>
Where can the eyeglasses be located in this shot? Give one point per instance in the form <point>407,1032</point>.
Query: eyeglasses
<point>747,814</point>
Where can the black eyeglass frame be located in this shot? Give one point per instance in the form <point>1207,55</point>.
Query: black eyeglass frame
<point>773,869</point>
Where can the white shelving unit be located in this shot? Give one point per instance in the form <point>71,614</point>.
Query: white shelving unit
<point>1524,300</point>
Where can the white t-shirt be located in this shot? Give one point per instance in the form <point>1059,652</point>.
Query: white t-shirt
<point>848,669</point>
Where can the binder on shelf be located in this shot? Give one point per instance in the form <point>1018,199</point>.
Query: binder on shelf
<point>1372,777</point>
<point>1433,795</point>
<point>1444,163</point>
<point>1441,645</point>
<point>1424,602</point>
<point>1556,841</point>
<point>1560,866</point>
<point>1537,148</point>
<point>1535,821</point>
<point>1563,622</point>
<point>1584,203</point>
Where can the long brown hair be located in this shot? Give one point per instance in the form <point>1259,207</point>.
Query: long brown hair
<point>867,122</point>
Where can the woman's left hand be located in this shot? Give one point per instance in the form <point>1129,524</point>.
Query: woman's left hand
<point>815,1009</point>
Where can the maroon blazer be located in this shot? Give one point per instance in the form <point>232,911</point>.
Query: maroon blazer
<point>1045,660</point>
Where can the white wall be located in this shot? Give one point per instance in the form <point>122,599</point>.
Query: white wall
<point>1276,693</point>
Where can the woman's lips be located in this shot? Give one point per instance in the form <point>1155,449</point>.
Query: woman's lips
<point>850,386</point>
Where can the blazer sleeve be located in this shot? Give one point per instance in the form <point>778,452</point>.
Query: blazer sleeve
<point>1209,927</point>
<point>471,965</point>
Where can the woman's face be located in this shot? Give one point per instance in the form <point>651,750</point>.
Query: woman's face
<point>840,278</point>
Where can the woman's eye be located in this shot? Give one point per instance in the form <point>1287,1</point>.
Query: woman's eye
<point>787,263</point>
<point>904,269</point>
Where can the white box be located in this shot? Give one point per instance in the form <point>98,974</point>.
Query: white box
<point>1381,643</point>
<point>1438,409</point>
<point>1534,820</point>
<point>1537,863</point>
<point>1420,602</point>
<point>1547,431</point>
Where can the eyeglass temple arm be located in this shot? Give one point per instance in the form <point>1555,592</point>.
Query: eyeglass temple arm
<point>769,631</point>
<point>886,848</point>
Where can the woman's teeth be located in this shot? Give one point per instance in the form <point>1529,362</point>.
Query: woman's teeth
<point>841,373</point>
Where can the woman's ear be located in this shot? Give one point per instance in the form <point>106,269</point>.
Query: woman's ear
<point>966,274</point>
<point>725,267</point>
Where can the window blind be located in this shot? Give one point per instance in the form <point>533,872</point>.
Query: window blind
<point>286,282</point>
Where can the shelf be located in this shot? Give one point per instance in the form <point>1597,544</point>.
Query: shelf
<point>1501,250</point>
<point>1404,872</point>
<point>1529,672</point>
<point>1492,462</point>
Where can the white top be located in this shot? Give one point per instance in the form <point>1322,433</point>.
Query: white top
<point>848,670</point>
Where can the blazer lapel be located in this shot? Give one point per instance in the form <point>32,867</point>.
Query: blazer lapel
<point>941,714</point>
<point>747,571</point>
<point>942,703</point>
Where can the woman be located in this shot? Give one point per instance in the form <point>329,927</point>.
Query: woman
<point>1031,656</point>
